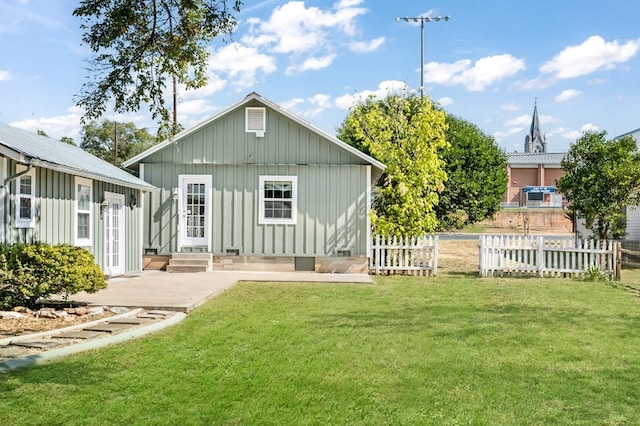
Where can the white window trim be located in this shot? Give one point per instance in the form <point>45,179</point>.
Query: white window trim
<point>31,221</point>
<point>83,242</point>
<point>247,112</point>
<point>294,200</point>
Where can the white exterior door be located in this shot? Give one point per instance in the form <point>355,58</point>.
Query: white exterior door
<point>113,219</point>
<point>195,223</point>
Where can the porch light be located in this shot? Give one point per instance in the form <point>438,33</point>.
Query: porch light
<point>104,206</point>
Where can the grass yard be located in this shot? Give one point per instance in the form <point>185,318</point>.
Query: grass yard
<point>405,351</point>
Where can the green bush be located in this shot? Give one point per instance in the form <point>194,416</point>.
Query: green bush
<point>30,272</point>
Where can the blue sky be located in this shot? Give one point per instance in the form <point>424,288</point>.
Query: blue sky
<point>488,64</point>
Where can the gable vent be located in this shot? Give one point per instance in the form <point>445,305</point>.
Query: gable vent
<point>255,120</point>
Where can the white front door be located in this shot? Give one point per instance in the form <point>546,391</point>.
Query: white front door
<point>194,210</point>
<point>113,219</point>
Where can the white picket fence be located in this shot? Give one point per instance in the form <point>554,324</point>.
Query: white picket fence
<point>410,255</point>
<point>546,256</point>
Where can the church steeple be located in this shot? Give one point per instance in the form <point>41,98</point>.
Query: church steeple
<point>535,141</point>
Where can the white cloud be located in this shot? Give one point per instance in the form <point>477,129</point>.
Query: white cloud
<point>518,121</point>
<point>56,127</point>
<point>484,72</point>
<point>592,55</point>
<point>291,104</point>
<point>509,132</point>
<point>567,95</point>
<point>589,127</point>
<point>195,107</point>
<point>364,47</point>
<point>384,88</point>
<point>446,100</point>
<point>321,100</point>
<point>295,28</point>
<point>311,37</point>
<point>510,107</point>
<point>347,3</point>
<point>318,103</point>
<point>237,65</point>
<point>312,64</point>
<point>573,134</point>
<point>5,75</point>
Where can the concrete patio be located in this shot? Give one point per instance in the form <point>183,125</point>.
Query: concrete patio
<point>186,291</point>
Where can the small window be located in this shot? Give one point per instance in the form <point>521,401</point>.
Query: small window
<point>25,199</point>
<point>278,198</point>
<point>84,201</point>
<point>255,119</point>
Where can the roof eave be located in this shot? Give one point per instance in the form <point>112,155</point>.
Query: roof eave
<point>89,175</point>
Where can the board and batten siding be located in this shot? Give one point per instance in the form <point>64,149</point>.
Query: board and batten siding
<point>55,213</point>
<point>226,142</point>
<point>331,209</point>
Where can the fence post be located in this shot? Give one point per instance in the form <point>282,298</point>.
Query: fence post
<point>481,256</point>
<point>378,253</point>
<point>617,259</point>
<point>435,254</point>
<point>540,255</point>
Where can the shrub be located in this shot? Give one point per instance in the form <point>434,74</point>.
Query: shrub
<point>594,273</point>
<point>29,272</point>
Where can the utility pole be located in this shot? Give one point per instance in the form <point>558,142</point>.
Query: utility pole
<point>115,143</point>
<point>175,107</point>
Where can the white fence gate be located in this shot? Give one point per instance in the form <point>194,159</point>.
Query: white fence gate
<point>410,255</point>
<point>546,256</point>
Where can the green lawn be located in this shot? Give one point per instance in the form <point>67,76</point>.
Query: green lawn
<point>405,351</point>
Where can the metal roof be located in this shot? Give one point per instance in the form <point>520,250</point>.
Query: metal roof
<point>250,97</point>
<point>41,151</point>
<point>546,158</point>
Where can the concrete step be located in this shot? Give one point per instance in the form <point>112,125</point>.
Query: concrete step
<point>187,268</point>
<point>188,255</point>
<point>187,262</point>
<point>190,262</point>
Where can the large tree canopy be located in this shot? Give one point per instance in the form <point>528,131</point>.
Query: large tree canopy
<point>100,140</point>
<point>601,178</point>
<point>141,44</point>
<point>476,176</point>
<point>404,133</point>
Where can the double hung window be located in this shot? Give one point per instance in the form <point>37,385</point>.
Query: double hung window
<point>25,199</point>
<point>84,199</point>
<point>278,198</point>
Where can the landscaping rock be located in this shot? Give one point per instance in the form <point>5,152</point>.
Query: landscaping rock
<point>22,309</point>
<point>81,311</point>
<point>118,310</point>
<point>47,313</point>
<point>96,311</point>
<point>11,315</point>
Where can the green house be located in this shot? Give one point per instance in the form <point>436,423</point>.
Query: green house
<point>54,192</point>
<point>256,187</point>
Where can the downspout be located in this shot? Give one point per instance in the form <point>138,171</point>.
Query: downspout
<point>17,175</point>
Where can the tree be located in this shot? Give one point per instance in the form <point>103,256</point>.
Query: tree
<point>404,133</point>
<point>99,139</point>
<point>140,44</point>
<point>601,178</point>
<point>476,176</point>
<point>68,140</point>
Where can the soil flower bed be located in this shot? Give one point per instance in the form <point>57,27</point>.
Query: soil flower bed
<point>22,321</point>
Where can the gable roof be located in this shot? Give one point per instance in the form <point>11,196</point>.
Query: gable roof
<point>255,97</point>
<point>41,151</point>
